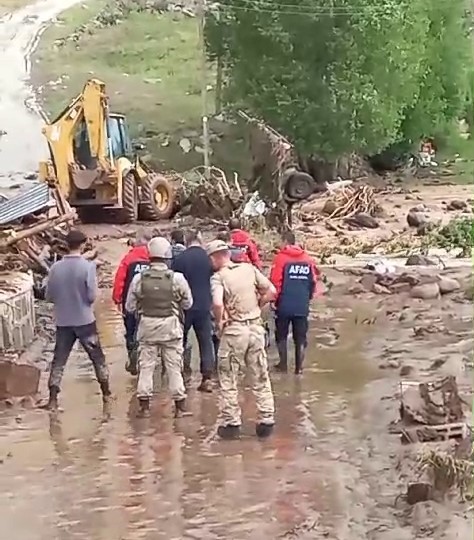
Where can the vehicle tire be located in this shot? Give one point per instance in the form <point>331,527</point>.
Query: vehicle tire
<point>129,211</point>
<point>158,198</point>
<point>299,186</point>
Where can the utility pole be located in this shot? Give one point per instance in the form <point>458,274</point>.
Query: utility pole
<point>205,120</point>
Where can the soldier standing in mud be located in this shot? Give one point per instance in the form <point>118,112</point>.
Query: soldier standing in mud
<point>72,288</point>
<point>238,293</point>
<point>159,295</point>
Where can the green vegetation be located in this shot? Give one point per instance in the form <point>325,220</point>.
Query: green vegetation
<point>458,234</point>
<point>356,76</point>
<point>151,64</point>
<point>6,6</point>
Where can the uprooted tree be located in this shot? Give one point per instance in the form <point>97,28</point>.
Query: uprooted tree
<point>356,77</point>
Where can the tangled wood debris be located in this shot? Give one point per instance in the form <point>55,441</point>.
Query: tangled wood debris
<point>351,200</point>
<point>212,195</point>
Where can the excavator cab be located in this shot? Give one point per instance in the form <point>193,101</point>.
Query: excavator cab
<point>92,162</point>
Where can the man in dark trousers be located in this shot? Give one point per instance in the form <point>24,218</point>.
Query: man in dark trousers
<point>196,267</point>
<point>135,261</point>
<point>72,288</point>
<point>294,275</point>
<point>242,241</point>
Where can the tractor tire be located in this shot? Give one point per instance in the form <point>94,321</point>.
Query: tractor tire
<point>129,211</point>
<point>299,186</point>
<point>158,198</point>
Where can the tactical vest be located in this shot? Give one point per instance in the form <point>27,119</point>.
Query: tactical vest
<point>156,293</point>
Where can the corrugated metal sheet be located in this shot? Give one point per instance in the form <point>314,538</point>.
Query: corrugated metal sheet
<point>21,205</point>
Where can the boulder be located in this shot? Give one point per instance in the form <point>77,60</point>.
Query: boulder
<point>426,291</point>
<point>18,380</point>
<point>363,220</point>
<point>419,492</point>
<point>419,260</point>
<point>416,219</point>
<point>456,204</point>
<point>448,285</point>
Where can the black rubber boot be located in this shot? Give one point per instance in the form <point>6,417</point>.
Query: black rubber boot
<point>282,366</point>
<point>299,359</point>
<point>264,430</point>
<point>106,393</point>
<point>180,409</point>
<point>144,408</point>
<point>187,371</point>
<point>132,364</point>
<point>52,404</point>
<point>229,433</point>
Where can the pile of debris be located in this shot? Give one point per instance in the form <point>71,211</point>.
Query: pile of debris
<point>33,226</point>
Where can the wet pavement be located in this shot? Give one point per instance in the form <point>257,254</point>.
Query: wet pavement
<point>22,144</point>
<point>84,475</point>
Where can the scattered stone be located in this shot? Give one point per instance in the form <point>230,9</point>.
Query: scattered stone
<point>406,370</point>
<point>456,204</point>
<point>18,380</point>
<point>448,285</point>
<point>394,364</point>
<point>426,291</point>
<point>358,288</point>
<point>30,176</point>
<point>416,219</point>
<point>399,288</point>
<point>363,220</point>
<point>368,281</point>
<point>417,259</point>
<point>380,289</point>
<point>329,207</point>
<point>419,492</point>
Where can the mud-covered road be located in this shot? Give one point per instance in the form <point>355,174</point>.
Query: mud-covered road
<point>21,143</point>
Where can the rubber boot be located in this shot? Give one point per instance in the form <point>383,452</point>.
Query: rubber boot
<point>229,433</point>
<point>282,366</point>
<point>144,408</point>
<point>187,371</point>
<point>299,359</point>
<point>132,364</point>
<point>180,409</point>
<point>52,404</point>
<point>264,430</point>
<point>206,384</point>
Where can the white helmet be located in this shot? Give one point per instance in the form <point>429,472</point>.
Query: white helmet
<point>159,248</point>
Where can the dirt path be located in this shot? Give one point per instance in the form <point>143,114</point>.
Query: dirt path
<point>21,141</point>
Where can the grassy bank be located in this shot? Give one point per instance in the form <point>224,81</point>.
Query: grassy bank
<point>151,64</point>
<point>6,6</point>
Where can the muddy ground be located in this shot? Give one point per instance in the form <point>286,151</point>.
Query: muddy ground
<point>332,470</point>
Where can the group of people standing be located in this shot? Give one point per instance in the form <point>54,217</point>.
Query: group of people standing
<point>164,288</point>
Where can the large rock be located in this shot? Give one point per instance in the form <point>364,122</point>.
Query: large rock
<point>416,219</point>
<point>426,291</point>
<point>456,204</point>
<point>448,285</point>
<point>362,220</point>
<point>419,260</point>
<point>17,380</point>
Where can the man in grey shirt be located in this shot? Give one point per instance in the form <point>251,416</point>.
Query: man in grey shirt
<point>72,288</point>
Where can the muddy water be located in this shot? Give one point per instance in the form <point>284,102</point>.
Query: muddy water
<point>83,475</point>
<point>22,145</point>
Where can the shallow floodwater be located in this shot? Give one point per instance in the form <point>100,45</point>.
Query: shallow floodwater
<point>85,475</point>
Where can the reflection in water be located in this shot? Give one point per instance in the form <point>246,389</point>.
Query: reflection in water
<point>74,475</point>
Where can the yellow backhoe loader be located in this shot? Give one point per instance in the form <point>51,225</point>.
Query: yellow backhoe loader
<point>93,163</point>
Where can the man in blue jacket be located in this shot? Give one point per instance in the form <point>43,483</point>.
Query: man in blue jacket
<point>195,265</point>
<point>294,275</point>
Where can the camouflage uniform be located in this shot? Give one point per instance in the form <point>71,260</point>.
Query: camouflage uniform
<point>160,330</point>
<point>242,341</point>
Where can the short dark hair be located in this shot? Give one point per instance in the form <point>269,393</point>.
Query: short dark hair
<point>75,239</point>
<point>223,235</point>
<point>177,236</point>
<point>234,223</point>
<point>192,235</point>
<point>289,238</point>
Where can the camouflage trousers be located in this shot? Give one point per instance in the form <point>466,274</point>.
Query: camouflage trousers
<point>171,354</point>
<point>244,344</point>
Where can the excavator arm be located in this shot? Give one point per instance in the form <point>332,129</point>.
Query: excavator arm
<point>86,116</point>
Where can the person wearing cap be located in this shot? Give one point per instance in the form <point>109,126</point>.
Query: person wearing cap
<point>133,262</point>
<point>195,265</point>
<point>159,296</point>
<point>72,288</point>
<point>238,293</point>
<point>242,242</point>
